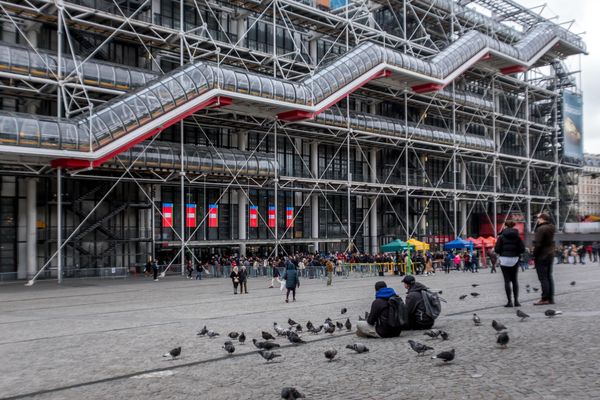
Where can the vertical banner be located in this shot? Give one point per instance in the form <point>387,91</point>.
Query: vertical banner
<point>572,125</point>
<point>167,215</point>
<point>272,217</point>
<point>253,223</point>
<point>213,216</point>
<point>190,215</point>
<point>289,217</point>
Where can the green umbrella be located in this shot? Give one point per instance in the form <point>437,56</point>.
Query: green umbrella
<point>396,245</point>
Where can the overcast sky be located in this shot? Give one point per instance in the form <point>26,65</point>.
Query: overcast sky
<point>585,13</point>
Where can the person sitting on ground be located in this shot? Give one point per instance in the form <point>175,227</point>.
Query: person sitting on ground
<point>376,325</point>
<point>417,316</point>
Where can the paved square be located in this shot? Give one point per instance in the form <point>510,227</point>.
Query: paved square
<point>105,339</point>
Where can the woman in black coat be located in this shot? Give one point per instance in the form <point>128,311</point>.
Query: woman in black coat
<point>509,247</point>
<point>235,279</point>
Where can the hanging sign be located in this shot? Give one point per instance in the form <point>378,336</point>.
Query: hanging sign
<point>253,223</point>
<point>213,216</point>
<point>272,217</point>
<point>190,215</point>
<point>289,217</point>
<point>167,215</point>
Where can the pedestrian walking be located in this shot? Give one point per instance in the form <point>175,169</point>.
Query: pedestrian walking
<point>148,267</point>
<point>199,268</point>
<point>292,281</point>
<point>493,261</point>
<point>509,247</point>
<point>543,253</point>
<point>189,267</point>
<point>275,278</point>
<point>243,276</point>
<point>329,266</point>
<point>235,278</point>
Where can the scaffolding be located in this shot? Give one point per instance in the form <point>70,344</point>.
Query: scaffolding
<point>369,121</point>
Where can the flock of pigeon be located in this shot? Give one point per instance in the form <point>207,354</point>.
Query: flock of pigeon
<point>294,330</point>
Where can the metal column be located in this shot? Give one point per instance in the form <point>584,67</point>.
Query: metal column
<point>314,199</point>
<point>59,223</point>
<point>242,201</point>
<point>373,214</point>
<point>31,227</point>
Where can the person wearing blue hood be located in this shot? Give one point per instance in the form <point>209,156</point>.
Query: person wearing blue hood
<point>376,325</point>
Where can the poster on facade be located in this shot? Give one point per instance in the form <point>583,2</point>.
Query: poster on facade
<point>167,215</point>
<point>572,125</point>
<point>253,222</point>
<point>289,217</point>
<point>190,215</point>
<point>213,216</point>
<point>272,217</point>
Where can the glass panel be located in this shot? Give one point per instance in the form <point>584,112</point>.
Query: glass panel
<point>199,79</point>
<point>90,73</point>
<point>112,121</point>
<point>50,134</point>
<point>188,85</point>
<point>4,57</point>
<point>107,75</point>
<point>140,109</point>
<point>290,94</point>
<point>38,64</point>
<point>164,96</point>
<point>19,60</point>
<point>228,79</point>
<point>122,78</point>
<point>278,90</point>
<point>68,136</point>
<point>29,132</point>
<point>152,102</point>
<point>176,90</point>
<point>254,85</point>
<point>126,115</point>
<point>243,85</point>
<point>8,129</point>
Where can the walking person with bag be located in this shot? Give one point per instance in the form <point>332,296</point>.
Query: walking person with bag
<point>543,253</point>
<point>292,281</point>
<point>235,278</point>
<point>509,248</point>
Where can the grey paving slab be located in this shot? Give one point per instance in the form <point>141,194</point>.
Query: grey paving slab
<point>105,339</point>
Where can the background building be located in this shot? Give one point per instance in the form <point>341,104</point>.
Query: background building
<point>135,128</point>
<point>589,187</point>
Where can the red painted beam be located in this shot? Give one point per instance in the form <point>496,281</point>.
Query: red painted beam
<point>513,69</point>
<point>427,87</point>
<point>68,163</point>
<point>299,115</point>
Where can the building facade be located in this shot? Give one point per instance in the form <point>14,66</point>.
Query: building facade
<point>131,129</point>
<point>589,187</point>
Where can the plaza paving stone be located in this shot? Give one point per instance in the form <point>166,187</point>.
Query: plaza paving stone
<point>105,339</point>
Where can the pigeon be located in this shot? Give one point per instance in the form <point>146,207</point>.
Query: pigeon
<point>502,339</point>
<point>279,330</point>
<point>265,345</point>
<point>330,354</point>
<point>432,334</point>
<point>573,283</point>
<point>498,326</point>
<point>330,329</point>
<point>476,320</point>
<point>242,338</point>
<point>309,325</point>
<point>528,290</point>
<point>527,286</point>
<point>290,393</point>
<point>419,348</point>
<point>316,330</point>
<point>298,328</point>
<point>267,336</point>
<point>233,335</point>
<point>552,313</point>
<point>447,356</point>
<point>212,334</point>
<point>358,347</point>
<point>291,322</point>
<point>348,324</point>
<point>464,296</point>
<point>440,292</point>
<point>339,325</point>
<point>522,315</point>
<point>293,338</point>
<point>173,353</point>
<point>344,311</point>
<point>269,355</point>
<point>229,347</point>
<point>444,335</point>
<point>227,342</point>
<point>203,331</point>
<point>536,289</point>
<point>474,294</point>
<point>475,285</point>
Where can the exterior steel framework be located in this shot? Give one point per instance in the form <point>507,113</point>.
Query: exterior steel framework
<point>369,120</point>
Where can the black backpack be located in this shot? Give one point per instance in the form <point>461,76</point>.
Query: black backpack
<point>397,313</point>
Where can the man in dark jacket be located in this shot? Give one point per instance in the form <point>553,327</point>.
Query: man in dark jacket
<point>417,316</point>
<point>376,325</point>
<point>543,253</point>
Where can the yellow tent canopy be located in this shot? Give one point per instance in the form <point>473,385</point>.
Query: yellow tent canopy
<point>419,246</point>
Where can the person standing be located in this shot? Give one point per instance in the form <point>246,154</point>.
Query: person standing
<point>199,268</point>
<point>154,266</point>
<point>292,281</point>
<point>189,268</point>
<point>543,254</point>
<point>329,266</point>
<point>509,247</point>
<point>243,275</point>
<point>235,278</point>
